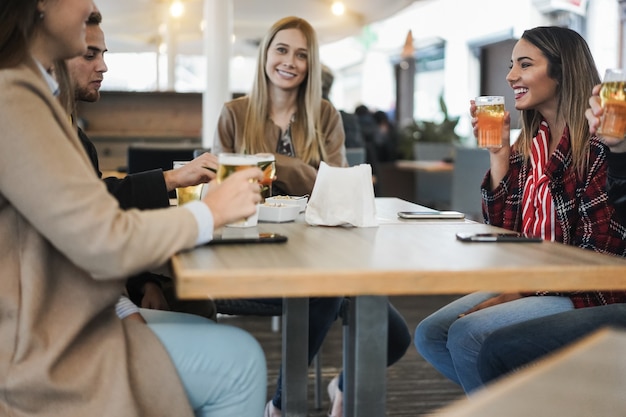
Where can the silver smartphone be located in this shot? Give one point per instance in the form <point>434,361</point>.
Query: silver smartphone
<point>431,214</point>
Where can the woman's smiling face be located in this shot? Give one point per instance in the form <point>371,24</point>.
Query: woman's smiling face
<point>287,59</point>
<point>528,77</point>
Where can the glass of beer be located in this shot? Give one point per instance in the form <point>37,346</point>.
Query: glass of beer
<point>267,163</point>
<point>229,163</point>
<point>490,114</point>
<point>187,194</point>
<point>613,101</point>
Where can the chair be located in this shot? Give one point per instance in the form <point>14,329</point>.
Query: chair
<point>199,151</point>
<point>433,189</point>
<point>470,167</point>
<point>355,156</point>
<point>147,156</point>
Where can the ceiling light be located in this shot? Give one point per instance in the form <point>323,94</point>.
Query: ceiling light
<point>338,8</point>
<point>177,9</point>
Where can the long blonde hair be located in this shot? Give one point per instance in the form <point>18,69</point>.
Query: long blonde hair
<point>571,65</point>
<point>305,129</point>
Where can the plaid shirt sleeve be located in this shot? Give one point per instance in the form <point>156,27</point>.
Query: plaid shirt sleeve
<point>502,206</point>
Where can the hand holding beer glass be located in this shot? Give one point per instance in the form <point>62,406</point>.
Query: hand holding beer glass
<point>187,194</point>
<point>613,102</point>
<point>490,116</point>
<point>230,163</point>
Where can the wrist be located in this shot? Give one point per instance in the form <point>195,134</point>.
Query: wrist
<point>170,180</point>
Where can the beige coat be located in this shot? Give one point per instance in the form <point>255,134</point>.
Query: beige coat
<point>65,247</point>
<point>293,175</point>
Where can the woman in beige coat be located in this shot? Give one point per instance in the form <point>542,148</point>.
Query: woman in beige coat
<point>66,249</point>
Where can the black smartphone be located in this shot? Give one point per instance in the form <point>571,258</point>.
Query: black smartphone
<point>431,214</point>
<point>260,238</point>
<point>497,237</point>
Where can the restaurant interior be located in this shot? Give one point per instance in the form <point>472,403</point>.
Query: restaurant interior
<point>189,80</point>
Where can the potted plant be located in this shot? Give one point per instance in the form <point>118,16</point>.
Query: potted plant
<point>428,139</point>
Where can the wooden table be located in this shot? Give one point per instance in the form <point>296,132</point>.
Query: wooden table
<point>401,257</point>
<point>585,379</point>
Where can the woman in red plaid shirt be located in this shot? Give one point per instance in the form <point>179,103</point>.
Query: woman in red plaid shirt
<point>550,183</point>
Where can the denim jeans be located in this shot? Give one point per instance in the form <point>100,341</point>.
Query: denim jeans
<point>451,344</point>
<point>517,345</point>
<point>222,368</point>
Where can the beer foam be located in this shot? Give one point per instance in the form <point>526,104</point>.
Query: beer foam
<point>265,157</point>
<point>237,159</point>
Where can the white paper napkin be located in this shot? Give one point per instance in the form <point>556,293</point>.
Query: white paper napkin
<point>342,196</point>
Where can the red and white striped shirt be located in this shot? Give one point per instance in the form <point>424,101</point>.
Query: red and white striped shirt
<point>538,215</point>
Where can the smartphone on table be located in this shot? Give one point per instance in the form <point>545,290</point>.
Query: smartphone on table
<point>498,237</point>
<point>431,214</point>
<point>219,239</point>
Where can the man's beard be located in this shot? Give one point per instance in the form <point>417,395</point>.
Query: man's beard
<point>89,96</point>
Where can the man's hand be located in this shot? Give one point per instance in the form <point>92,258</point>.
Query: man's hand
<point>200,170</point>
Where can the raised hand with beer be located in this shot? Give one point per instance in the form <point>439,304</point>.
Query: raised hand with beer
<point>490,120</point>
<point>594,117</point>
<point>231,163</point>
<point>613,102</point>
<point>238,202</point>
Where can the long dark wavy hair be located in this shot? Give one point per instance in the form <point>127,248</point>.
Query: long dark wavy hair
<point>18,20</point>
<point>572,66</point>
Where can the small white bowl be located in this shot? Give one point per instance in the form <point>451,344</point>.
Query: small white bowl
<point>278,213</point>
<point>291,200</point>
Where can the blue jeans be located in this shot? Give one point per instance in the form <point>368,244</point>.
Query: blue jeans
<point>451,344</point>
<point>322,314</point>
<point>517,345</point>
<point>222,368</point>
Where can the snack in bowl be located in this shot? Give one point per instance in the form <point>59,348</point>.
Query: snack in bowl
<point>299,201</point>
<point>278,212</point>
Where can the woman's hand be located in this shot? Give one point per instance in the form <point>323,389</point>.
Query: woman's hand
<point>594,117</point>
<point>498,157</point>
<point>498,299</point>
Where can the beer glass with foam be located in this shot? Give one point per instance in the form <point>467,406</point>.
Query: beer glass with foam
<point>613,101</point>
<point>187,194</point>
<point>490,114</point>
<point>230,163</point>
